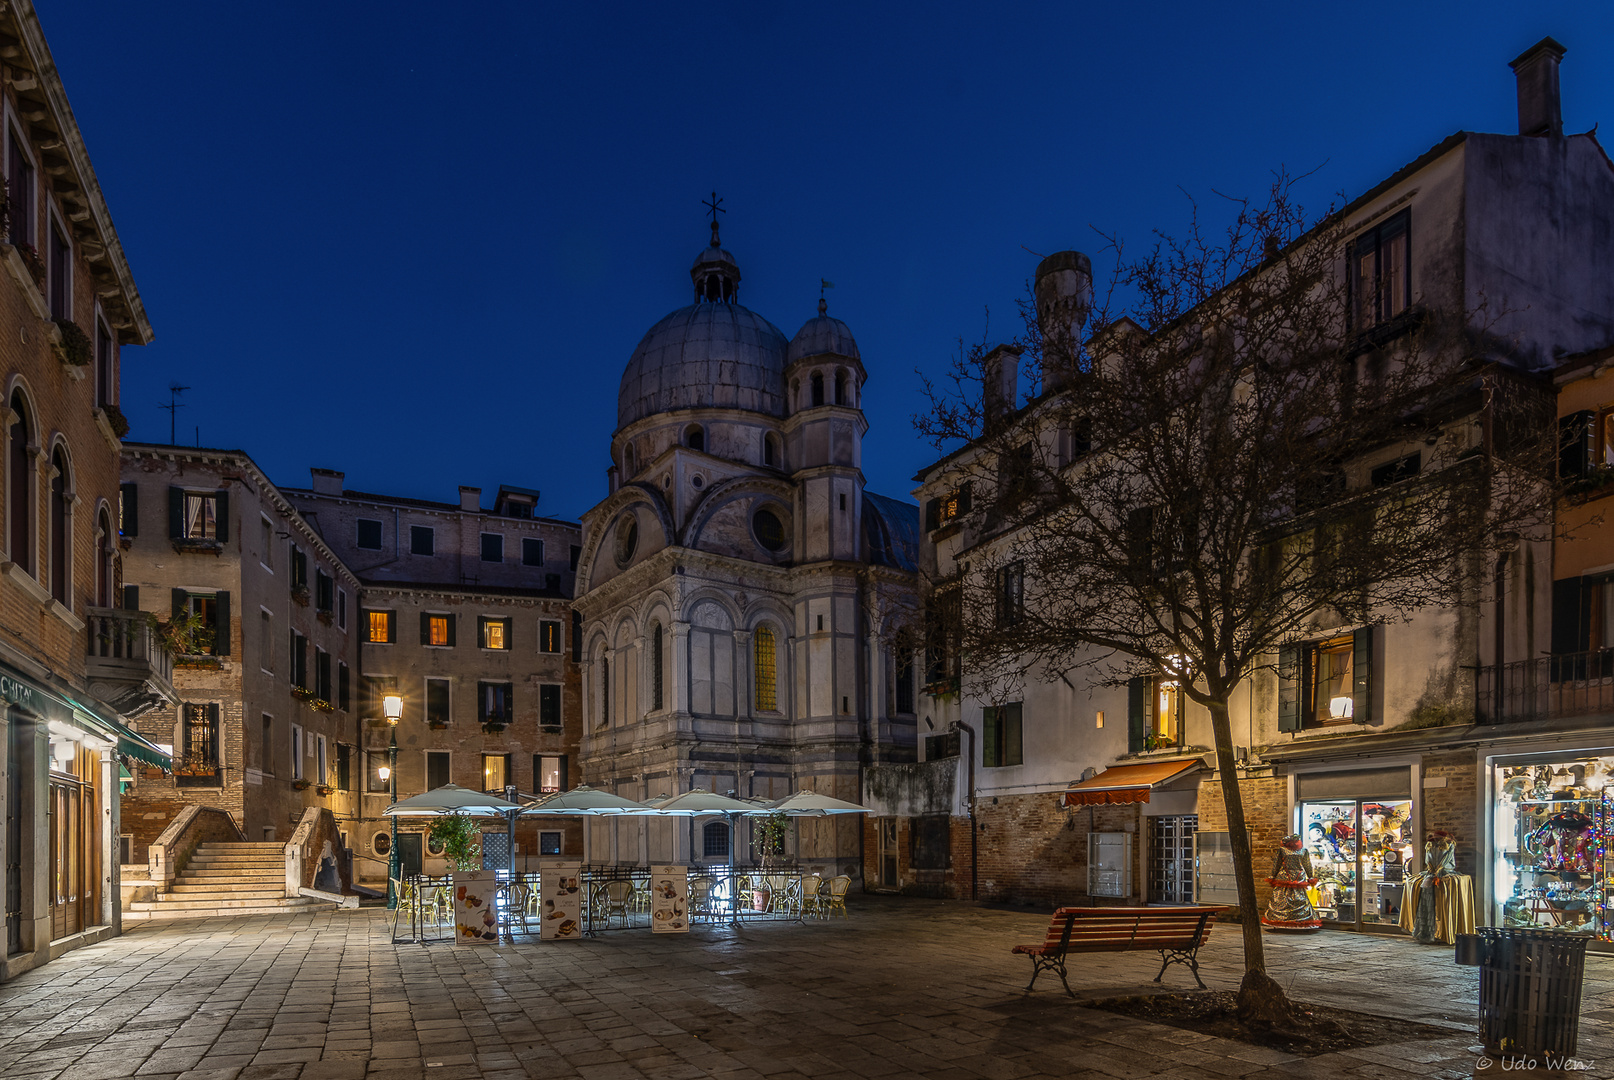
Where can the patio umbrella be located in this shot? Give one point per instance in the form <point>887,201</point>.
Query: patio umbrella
<point>450,799</point>
<point>584,801</point>
<point>810,804</point>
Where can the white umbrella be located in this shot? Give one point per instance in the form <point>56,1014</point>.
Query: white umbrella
<point>811,804</point>
<point>699,803</point>
<point>584,801</point>
<point>451,799</point>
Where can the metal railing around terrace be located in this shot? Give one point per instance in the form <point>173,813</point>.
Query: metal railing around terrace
<point>1567,684</point>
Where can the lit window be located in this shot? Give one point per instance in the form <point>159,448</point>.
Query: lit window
<point>201,517</point>
<point>1381,286</point>
<point>766,670</point>
<point>548,637</point>
<point>437,630</point>
<point>495,771</point>
<point>1333,681</point>
<point>551,771</point>
<point>379,625</point>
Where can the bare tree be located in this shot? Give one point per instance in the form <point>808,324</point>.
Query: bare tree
<point>1184,491</point>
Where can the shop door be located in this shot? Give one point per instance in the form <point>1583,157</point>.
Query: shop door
<point>409,853</point>
<point>1360,850</point>
<point>15,773</point>
<point>1171,859</point>
<point>886,851</point>
<point>66,855</point>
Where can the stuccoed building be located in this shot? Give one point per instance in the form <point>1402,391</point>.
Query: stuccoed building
<point>741,593</point>
<point>466,614</point>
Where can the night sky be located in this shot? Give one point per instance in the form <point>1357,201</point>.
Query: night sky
<point>421,248</point>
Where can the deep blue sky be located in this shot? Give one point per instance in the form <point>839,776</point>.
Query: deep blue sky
<point>419,242</point>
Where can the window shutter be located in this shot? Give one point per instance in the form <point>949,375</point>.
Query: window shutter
<point>932,514</point>
<point>964,498</point>
<point>129,509</point>
<point>425,628</point>
<point>1570,632</point>
<point>176,513</point>
<point>1013,744</point>
<point>1137,713</point>
<point>1289,688</point>
<point>1575,443</point>
<point>989,737</point>
<point>392,627</point>
<point>131,598</point>
<point>180,599</point>
<point>509,633</point>
<point>342,689</point>
<point>221,624</point>
<point>564,785</point>
<point>221,515</point>
<point>453,621</point>
<point>1362,672</point>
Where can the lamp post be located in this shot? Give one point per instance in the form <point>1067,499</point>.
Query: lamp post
<point>392,709</point>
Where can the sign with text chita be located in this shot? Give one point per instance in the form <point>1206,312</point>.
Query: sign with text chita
<point>561,912</point>
<point>669,899</point>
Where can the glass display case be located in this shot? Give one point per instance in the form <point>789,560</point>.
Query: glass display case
<point>1360,851</point>
<point>1552,832</point>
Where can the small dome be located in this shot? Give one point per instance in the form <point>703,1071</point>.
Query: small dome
<point>823,336</point>
<point>706,355</point>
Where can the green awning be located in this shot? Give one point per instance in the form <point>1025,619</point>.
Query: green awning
<point>141,750</point>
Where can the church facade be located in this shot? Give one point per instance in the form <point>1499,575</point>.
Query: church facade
<point>743,598</point>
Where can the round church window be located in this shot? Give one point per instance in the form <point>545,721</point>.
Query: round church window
<point>627,539</point>
<point>769,529</point>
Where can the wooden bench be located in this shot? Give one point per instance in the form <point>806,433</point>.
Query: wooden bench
<point>1176,933</point>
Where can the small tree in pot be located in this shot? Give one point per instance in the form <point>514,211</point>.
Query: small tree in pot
<point>459,837</point>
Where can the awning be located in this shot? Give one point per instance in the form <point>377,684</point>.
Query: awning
<point>1127,783</point>
<point>20,691</point>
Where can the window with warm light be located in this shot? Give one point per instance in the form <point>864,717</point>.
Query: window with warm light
<point>1333,678</point>
<point>437,630</point>
<point>495,633</point>
<point>378,627</point>
<point>495,771</point>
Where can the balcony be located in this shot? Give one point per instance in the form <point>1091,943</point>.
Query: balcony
<point>1548,687</point>
<point>128,666</point>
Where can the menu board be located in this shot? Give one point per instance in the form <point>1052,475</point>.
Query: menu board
<point>669,899</point>
<point>561,909</point>
<point>475,922</point>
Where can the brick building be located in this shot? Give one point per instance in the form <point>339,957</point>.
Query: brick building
<point>1364,737</point>
<point>465,613</point>
<point>72,668</point>
<point>264,726</point>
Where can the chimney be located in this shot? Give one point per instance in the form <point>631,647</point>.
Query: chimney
<point>1540,107</point>
<point>1000,374</point>
<point>326,481</point>
<point>471,499</point>
<point>1064,291</point>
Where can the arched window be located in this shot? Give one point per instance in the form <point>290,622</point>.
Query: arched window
<point>655,666</point>
<point>695,437</point>
<point>766,669</point>
<point>605,689</point>
<point>20,508</point>
<point>840,389</point>
<point>818,388</point>
<point>59,546</point>
<point>715,840</point>
<point>106,547</point>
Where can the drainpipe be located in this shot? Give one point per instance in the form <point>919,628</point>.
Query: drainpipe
<point>975,839</point>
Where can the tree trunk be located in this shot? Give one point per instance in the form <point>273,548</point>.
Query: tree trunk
<point>1261,1000</point>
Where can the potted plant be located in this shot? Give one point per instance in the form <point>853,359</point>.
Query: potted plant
<point>768,843</point>
<point>459,837</point>
<point>324,615</point>
<point>322,705</point>
<point>116,420</point>
<point>437,725</point>
<point>302,785</point>
<point>187,635</point>
<point>324,789</point>
<point>302,693</point>
<point>72,344</point>
<point>299,593</point>
<point>493,727</point>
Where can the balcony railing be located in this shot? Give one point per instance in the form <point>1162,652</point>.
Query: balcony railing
<point>129,666</point>
<point>1569,684</point>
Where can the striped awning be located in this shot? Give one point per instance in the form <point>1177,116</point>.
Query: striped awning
<point>1127,783</point>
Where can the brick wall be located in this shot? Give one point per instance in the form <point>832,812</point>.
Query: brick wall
<point>1453,807</point>
<point>1266,813</point>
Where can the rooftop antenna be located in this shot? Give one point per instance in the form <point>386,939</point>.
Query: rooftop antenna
<point>173,407</point>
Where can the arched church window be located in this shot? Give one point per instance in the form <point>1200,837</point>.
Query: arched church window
<point>695,437</point>
<point>605,690</point>
<point>21,512</point>
<point>655,666</point>
<point>766,669</point>
<point>818,388</point>
<point>840,389</point>
<point>58,527</point>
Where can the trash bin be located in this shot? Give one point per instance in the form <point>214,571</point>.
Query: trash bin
<point>1530,984</point>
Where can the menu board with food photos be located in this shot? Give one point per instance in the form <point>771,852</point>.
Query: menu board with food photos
<point>475,921</point>
<point>561,906</point>
<point>669,899</point>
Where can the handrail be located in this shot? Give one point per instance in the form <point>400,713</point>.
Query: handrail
<point>1545,687</point>
<point>120,634</point>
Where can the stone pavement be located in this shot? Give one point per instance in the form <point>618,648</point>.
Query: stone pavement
<point>903,988</point>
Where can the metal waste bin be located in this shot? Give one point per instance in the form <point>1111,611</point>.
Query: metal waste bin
<point>1530,984</point>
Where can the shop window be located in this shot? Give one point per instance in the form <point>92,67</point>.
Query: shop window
<point>931,842</point>
<point>1360,849</point>
<point>549,773</point>
<point>1549,827</point>
<point>715,840</point>
<point>1154,714</point>
<point>1380,276</point>
<point>1326,683</point>
<point>549,706</point>
<point>766,669</point>
<point>1001,741</point>
<point>548,636</point>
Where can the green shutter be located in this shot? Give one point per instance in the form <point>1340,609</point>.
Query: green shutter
<point>1362,675</point>
<point>989,737</point>
<point>221,515</point>
<point>564,785</point>
<point>176,513</point>
<point>509,633</point>
<point>221,624</point>
<point>425,628</point>
<point>1137,713</point>
<point>131,598</point>
<point>964,498</point>
<point>1575,443</point>
<point>342,691</point>
<point>932,514</point>
<point>392,627</point>
<point>129,509</point>
<point>453,622</point>
<point>1289,688</point>
<point>180,600</point>
<point>1013,743</point>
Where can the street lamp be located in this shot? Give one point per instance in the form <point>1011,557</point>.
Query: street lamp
<point>392,709</point>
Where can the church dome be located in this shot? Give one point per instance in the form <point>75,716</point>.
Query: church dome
<point>708,355</point>
<point>823,335</point>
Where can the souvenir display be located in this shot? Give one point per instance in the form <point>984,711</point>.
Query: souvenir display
<point>1440,901</point>
<point>669,899</point>
<point>560,908</point>
<point>1552,829</point>
<point>1359,850</point>
<point>475,921</point>
<point>1290,907</point>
